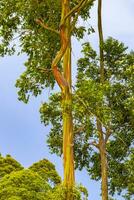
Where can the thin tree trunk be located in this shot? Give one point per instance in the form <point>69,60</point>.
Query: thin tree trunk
<point>104,170</point>
<point>104,165</point>
<point>101,41</point>
<point>102,143</point>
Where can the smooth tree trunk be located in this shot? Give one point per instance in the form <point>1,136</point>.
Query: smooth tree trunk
<point>104,170</point>
<point>104,164</point>
<point>103,161</point>
<point>102,143</point>
<point>64,82</point>
<point>68,145</point>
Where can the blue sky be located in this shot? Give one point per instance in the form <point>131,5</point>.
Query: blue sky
<point>21,133</point>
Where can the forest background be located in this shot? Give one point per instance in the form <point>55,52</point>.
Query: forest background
<point>21,132</point>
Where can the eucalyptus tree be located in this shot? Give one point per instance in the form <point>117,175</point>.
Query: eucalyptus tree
<point>44,29</point>
<point>110,103</point>
<point>103,114</point>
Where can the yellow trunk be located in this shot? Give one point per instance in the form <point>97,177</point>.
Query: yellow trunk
<point>68,153</point>
<point>64,82</point>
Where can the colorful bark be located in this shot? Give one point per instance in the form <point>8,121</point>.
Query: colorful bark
<point>64,82</point>
<point>68,146</point>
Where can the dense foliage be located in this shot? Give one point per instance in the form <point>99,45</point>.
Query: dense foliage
<point>19,19</point>
<point>39,182</point>
<point>23,184</point>
<point>110,103</point>
<point>8,165</point>
<point>35,26</point>
<point>47,171</point>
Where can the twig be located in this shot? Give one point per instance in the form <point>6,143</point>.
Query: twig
<point>94,144</point>
<point>40,22</point>
<point>44,70</point>
<point>108,134</point>
<point>79,129</point>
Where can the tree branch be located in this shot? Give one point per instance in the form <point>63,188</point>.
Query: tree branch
<point>101,41</point>
<point>87,108</point>
<point>108,134</point>
<point>40,22</point>
<point>74,22</point>
<point>94,144</point>
<point>44,70</point>
<point>76,9</point>
<point>82,128</point>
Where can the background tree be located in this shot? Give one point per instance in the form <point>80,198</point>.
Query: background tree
<point>23,184</point>
<point>47,171</point>
<point>40,181</point>
<point>110,103</point>
<point>8,165</point>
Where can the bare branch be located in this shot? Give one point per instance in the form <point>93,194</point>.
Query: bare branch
<point>108,134</point>
<point>40,22</point>
<point>76,9</point>
<point>74,22</point>
<point>82,128</point>
<point>94,144</point>
<point>44,70</point>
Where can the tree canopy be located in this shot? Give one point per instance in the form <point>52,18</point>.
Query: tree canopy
<point>100,106</point>
<point>110,103</point>
<point>8,165</point>
<point>35,24</point>
<point>39,182</point>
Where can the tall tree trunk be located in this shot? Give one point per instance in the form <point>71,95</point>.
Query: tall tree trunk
<point>102,143</point>
<point>101,41</point>
<point>64,82</point>
<point>68,153</point>
<point>104,169</point>
<point>68,146</point>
